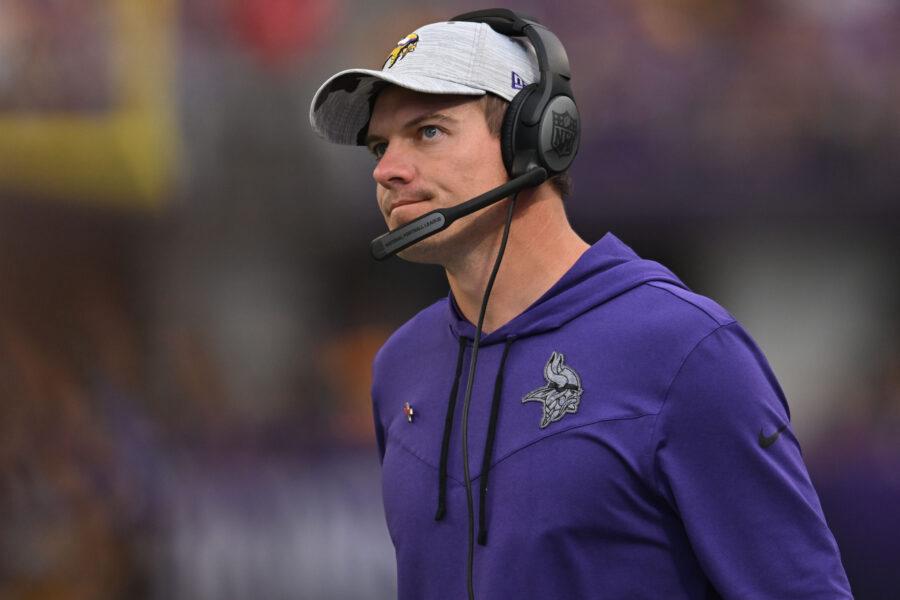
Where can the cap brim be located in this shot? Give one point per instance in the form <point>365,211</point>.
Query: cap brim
<point>342,106</point>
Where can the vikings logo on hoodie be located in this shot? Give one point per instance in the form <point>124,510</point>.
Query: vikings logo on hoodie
<point>562,393</point>
<point>404,47</point>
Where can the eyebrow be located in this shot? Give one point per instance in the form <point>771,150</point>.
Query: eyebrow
<point>441,117</point>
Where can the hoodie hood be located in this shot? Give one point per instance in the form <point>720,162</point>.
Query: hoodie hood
<point>609,265</point>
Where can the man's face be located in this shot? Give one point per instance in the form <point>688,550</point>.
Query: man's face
<point>433,151</point>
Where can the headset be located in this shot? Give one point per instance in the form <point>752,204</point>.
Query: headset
<point>539,137</point>
<point>527,137</point>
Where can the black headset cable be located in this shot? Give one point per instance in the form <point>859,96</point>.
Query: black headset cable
<point>470,548</point>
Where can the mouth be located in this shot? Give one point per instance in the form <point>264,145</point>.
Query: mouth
<point>406,202</point>
<point>407,212</point>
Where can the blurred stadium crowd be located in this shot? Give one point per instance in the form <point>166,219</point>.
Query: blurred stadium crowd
<point>188,311</point>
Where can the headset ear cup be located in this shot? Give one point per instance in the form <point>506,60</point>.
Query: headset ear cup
<point>508,130</point>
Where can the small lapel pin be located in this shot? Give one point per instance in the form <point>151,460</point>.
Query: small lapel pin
<point>408,411</point>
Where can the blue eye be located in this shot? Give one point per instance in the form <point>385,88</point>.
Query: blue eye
<point>430,132</point>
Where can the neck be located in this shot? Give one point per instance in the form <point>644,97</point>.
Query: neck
<point>542,246</point>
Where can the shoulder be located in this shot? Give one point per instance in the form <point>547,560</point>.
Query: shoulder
<point>718,366</point>
<point>660,318</point>
<point>416,330</point>
<point>707,340</point>
<point>419,336</point>
<point>690,349</point>
<point>414,362</point>
<point>700,307</point>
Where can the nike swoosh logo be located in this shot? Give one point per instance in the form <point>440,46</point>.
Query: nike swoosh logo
<point>767,440</point>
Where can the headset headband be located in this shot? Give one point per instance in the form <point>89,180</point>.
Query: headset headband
<point>551,54</point>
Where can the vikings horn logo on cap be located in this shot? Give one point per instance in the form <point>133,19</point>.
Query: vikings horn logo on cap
<point>404,47</point>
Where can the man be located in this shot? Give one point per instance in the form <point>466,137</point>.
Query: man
<point>626,437</point>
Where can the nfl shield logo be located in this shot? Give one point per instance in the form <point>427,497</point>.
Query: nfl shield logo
<point>565,128</point>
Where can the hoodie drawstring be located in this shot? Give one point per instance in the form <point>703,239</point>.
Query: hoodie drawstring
<point>489,444</point>
<point>448,427</point>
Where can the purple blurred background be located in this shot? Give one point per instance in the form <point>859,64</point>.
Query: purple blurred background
<point>188,310</point>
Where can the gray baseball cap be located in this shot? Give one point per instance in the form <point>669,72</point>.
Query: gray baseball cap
<point>442,58</point>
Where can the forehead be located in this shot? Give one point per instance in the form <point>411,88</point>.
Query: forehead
<point>395,106</point>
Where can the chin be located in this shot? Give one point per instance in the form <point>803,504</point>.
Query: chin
<point>403,215</point>
<point>448,246</point>
<point>429,252</point>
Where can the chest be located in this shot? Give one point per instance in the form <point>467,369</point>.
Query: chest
<point>570,443</point>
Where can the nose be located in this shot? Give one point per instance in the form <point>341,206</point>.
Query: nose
<point>395,168</point>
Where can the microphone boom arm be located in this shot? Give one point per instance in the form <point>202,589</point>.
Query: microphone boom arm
<point>392,242</point>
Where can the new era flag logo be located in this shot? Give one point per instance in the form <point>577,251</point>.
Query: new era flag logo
<point>517,83</point>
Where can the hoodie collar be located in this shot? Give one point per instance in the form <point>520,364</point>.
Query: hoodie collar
<point>607,269</point>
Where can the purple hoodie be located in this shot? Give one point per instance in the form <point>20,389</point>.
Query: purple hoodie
<point>635,441</point>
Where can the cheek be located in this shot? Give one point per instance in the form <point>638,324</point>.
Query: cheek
<point>379,200</point>
<point>482,164</point>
